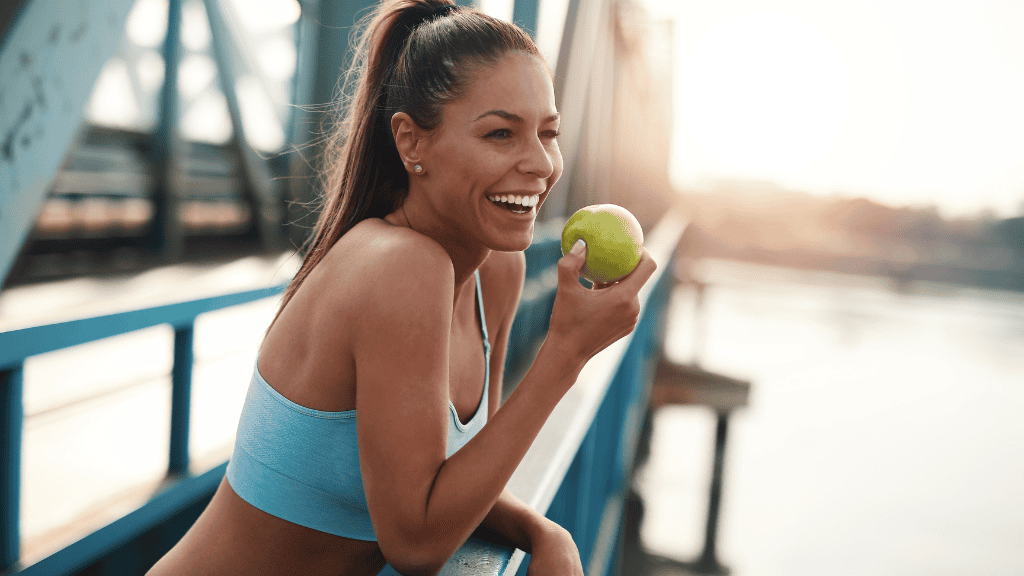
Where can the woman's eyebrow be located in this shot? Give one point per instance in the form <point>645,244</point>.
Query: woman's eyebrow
<point>513,117</point>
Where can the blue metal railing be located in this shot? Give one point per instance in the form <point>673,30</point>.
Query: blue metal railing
<point>578,469</point>
<point>590,499</point>
<point>18,345</point>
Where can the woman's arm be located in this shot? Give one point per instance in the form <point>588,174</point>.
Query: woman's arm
<point>422,504</point>
<point>514,524</point>
<point>511,522</point>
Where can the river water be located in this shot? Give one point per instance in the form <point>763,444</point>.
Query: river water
<point>884,432</point>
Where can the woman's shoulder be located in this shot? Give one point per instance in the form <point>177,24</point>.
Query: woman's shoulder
<point>375,255</point>
<point>377,269</point>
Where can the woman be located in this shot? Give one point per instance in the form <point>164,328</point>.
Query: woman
<point>416,264</point>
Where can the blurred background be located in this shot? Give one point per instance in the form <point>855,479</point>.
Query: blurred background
<point>853,175</point>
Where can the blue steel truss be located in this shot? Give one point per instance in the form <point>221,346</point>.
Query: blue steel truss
<point>50,59</point>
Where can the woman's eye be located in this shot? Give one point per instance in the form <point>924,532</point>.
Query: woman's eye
<point>500,134</point>
<point>551,134</point>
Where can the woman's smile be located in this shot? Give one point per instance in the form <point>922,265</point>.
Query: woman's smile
<point>516,203</point>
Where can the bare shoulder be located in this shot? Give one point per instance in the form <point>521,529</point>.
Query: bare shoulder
<point>378,260</point>
<point>374,269</point>
<point>377,269</point>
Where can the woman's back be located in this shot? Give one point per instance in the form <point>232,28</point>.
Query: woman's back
<point>307,353</point>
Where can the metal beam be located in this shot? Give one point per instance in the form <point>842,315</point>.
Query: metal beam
<point>302,82</point>
<point>165,233</point>
<point>264,195</point>
<point>525,15</point>
<point>49,63</point>
<point>324,55</point>
<point>12,416</point>
<point>572,82</point>
<point>9,12</point>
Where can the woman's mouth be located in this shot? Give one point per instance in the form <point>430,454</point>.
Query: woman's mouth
<point>515,204</point>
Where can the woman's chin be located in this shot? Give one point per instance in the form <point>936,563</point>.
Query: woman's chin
<point>513,243</point>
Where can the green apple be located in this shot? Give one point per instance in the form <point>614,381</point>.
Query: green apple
<point>614,241</point>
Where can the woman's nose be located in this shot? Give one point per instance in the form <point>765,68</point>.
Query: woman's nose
<point>537,159</point>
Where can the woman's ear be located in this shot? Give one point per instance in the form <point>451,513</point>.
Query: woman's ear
<point>407,139</point>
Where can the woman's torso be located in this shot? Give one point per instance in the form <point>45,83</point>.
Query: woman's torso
<point>318,372</point>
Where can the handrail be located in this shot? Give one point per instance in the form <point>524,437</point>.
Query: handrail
<point>18,345</point>
<point>583,436</point>
<point>571,418</point>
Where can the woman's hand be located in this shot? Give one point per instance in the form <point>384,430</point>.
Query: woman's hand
<point>588,321</point>
<point>554,554</point>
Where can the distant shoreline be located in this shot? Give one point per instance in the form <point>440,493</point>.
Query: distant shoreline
<point>901,273</point>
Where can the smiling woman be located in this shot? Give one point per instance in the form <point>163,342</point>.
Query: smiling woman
<point>371,440</point>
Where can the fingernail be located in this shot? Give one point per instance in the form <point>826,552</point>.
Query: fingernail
<point>578,246</point>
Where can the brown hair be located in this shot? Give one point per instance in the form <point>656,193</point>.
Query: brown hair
<point>411,56</point>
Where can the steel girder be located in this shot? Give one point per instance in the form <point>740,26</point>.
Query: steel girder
<point>49,63</point>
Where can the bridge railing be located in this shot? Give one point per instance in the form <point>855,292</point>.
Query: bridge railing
<point>18,345</point>
<point>576,471</point>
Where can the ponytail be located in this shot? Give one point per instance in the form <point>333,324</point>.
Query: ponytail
<point>412,56</point>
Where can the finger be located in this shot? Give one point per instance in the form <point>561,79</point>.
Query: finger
<point>570,265</point>
<point>643,271</point>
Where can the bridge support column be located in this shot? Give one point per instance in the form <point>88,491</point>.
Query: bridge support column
<point>11,420</point>
<point>181,399</point>
<point>165,234</point>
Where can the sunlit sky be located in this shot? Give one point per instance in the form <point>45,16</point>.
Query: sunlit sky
<point>910,102</point>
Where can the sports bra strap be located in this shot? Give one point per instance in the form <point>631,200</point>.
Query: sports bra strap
<point>480,304</point>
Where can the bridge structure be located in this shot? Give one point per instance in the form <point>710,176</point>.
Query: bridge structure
<point>134,131</point>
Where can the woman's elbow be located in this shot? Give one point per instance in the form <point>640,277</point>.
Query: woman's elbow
<point>421,557</point>
<point>417,569</point>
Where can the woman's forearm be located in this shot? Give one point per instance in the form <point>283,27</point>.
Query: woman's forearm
<point>512,523</point>
<point>469,483</point>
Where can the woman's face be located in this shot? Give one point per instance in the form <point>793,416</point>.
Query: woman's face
<point>496,141</point>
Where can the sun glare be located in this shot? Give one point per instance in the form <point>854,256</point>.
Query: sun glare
<point>909,102</point>
<point>763,94</point>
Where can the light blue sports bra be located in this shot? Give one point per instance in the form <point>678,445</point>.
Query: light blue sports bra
<point>302,465</point>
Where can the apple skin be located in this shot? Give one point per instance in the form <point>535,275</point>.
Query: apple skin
<point>614,241</point>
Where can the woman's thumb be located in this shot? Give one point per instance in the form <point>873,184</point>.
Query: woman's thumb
<point>572,263</point>
<point>579,249</point>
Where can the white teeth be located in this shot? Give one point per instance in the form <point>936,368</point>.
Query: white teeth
<point>524,201</point>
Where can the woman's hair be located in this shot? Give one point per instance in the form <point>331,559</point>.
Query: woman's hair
<point>410,56</point>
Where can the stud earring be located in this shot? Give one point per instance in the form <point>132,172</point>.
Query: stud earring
<point>417,168</point>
